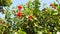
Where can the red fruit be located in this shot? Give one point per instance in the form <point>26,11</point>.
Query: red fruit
<point>19,14</point>
<point>30,17</point>
<point>51,4</point>
<point>54,7</point>
<point>19,7</point>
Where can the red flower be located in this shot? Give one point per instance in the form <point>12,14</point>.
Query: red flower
<point>19,7</point>
<point>19,14</point>
<point>51,4</point>
<point>54,7</point>
<point>30,17</point>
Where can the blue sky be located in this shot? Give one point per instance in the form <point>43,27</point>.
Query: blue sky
<point>18,2</point>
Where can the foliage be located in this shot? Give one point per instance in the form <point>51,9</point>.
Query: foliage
<point>30,20</point>
<point>5,2</point>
